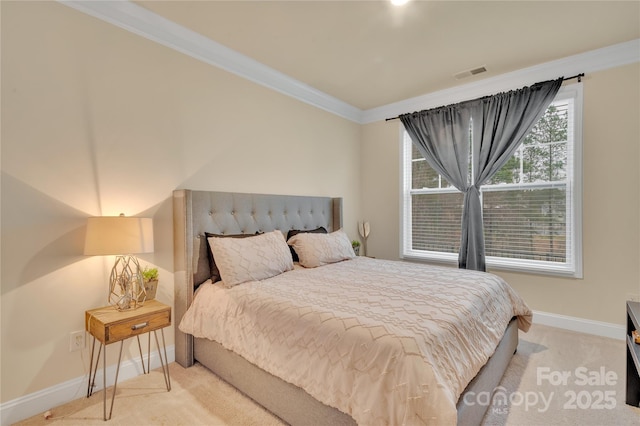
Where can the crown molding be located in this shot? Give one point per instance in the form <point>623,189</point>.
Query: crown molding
<point>143,22</point>
<point>589,62</point>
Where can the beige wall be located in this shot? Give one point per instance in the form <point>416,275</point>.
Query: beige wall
<point>98,121</point>
<point>611,219</point>
<point>380,175</point>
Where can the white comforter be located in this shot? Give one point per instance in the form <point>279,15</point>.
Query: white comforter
<point>389,343</point>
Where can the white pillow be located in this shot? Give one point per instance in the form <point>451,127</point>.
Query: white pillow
<point>249,259</point>
<point>321,249</point>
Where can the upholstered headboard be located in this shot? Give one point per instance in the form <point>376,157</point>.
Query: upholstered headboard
<point>197,212</point>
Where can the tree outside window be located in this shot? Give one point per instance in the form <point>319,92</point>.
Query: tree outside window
<point>528,205</point>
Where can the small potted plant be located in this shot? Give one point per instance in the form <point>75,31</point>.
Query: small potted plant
<point>150,280</point>
<point>356,247</point>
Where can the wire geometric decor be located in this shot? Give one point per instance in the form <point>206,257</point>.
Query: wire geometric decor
<point>126,286</point>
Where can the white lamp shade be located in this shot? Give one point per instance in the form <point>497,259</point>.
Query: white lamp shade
<point>108,235</point>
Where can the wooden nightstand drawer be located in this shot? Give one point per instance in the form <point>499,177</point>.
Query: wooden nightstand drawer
<point>109,325</point>
<point>125,329</point>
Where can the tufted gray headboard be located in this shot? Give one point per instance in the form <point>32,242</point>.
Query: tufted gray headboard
<point>197,212</point>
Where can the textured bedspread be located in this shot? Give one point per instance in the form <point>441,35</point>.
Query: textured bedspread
<point>389,343</point>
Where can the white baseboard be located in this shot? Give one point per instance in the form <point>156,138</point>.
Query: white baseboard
<point>581,325</point>
<point>46,399</point>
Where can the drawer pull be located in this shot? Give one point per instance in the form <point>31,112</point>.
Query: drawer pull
<point>139,326</point>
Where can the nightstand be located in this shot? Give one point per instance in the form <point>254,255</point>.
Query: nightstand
<point>108,325</point>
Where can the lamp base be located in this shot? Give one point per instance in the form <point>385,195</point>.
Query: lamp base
<point>126,287</point>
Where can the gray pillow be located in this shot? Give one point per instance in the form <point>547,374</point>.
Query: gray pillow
<point>293,232</point>
<point>214,272</point>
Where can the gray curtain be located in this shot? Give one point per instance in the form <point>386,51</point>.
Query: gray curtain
<point>497,124</point>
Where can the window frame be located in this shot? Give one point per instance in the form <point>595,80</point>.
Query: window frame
<point>571,268</point>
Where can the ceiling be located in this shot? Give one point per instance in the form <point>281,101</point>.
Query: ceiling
<point>370,53</point>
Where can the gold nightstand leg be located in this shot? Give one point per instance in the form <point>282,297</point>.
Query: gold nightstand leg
<point>142,357</point>
<point>115,384</point>
<point>104,384</point>
<point>165,363</point>
<point>93,368</point>
<point>91,382</point>
<point>166,360</point>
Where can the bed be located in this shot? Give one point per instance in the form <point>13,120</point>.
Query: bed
<point>295,401</point>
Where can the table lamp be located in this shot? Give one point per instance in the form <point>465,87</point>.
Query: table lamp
<point>121,236</point>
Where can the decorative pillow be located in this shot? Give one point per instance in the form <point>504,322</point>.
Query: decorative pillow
<point>293,232</point>
<point>215,273</point>
<point>248,259</point>
<point>321,249</point>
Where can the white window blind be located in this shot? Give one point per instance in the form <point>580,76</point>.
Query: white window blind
<point>531,207</point>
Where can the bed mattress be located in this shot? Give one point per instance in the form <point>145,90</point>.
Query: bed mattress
<point>386,342</point>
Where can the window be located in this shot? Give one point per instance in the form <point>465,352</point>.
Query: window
<point>531,207</point>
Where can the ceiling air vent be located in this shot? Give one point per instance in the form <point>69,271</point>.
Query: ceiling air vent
<point>469,73</point>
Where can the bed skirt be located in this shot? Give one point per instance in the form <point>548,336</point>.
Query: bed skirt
<point>297,407</point>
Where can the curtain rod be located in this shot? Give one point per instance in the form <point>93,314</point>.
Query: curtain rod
<point>578,76</point>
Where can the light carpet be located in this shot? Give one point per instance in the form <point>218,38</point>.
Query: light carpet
<point>560,377</point>
<point>557,377</point>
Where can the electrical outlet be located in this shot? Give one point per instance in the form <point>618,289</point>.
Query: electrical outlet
<point>634,297</point>
<point>76,340</point>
